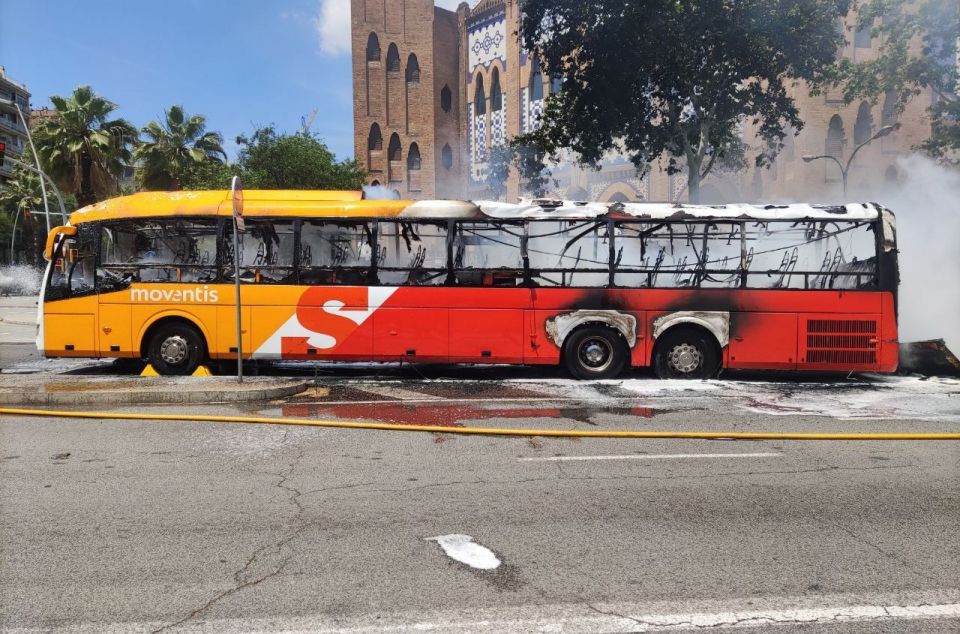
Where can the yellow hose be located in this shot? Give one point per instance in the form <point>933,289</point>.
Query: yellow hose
<point>485,431</point>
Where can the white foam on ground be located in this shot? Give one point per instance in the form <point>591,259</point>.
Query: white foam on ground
<point>463,549</point>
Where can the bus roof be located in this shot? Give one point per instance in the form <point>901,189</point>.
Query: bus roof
<point>350,204</point>
<point>678,211</point>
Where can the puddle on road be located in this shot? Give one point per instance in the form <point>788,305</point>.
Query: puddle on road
<point>453,414</point>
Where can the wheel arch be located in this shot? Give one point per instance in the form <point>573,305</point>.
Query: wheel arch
<point>691,325</point>
<point>168,317</point>
<point>559,327</point>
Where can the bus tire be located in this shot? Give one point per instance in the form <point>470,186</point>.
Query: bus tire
<point>176,349</point>
<point>595,352</point>
<point>686,353</point>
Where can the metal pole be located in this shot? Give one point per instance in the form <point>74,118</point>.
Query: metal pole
<point>13,235</point>
<point>236,277</point>
<point>43,186</point>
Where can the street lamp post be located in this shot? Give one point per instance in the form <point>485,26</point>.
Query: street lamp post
<point>36,158</point>
<point>845,169</point>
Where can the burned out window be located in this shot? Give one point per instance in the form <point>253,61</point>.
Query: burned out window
<point>488,254</point>
<point>569,253</point>
<point>266,252</point>
<point>678,255</point>
<point>73,270</point>
<point>811,254</point>
<point>335,252</point>
<point>412,253</point>
<point>163,250</point>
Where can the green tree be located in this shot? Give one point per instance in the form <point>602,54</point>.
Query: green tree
<point>173,147</point>
<point>918,44</point>
<point>210,175</point>
<point>676,77</point>
<point>269,160</point>
<point>82,148</point>
<point>19,196</point>
<point>528,159</point>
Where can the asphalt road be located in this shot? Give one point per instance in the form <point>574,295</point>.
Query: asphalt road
<point>186,526</point>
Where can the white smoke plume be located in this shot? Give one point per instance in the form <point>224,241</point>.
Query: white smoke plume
<point>927,205</point>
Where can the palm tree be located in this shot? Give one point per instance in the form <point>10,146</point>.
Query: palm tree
<point>173,147</point>
<point>82,148</point>
<point>19,196</point>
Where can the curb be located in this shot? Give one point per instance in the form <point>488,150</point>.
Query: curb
<point>18,322</point>
<point>170,392</point>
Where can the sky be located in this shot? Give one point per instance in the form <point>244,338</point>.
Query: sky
<point>240,64</point>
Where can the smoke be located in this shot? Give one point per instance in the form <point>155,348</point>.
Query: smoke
<point>19,280</point>
<point>925,201</point>
<point>379,192</point>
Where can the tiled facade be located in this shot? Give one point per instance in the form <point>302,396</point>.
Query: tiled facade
<point>477,88</point>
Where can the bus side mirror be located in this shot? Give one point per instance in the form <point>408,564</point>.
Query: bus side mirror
<point>52,239</point>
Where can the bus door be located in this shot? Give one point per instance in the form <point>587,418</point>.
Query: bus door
<point>70,304</point>
<point>114,277</point>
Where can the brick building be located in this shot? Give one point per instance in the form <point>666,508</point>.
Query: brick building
<point>435,90</point>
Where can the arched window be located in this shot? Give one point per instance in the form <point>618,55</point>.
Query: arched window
<point>835,134</point>
<point>496,95</point>
<point>891,175</point>
<point>373,48</point>
<point>393,150</point>
<point>863,38</point>
<point>789,143</point>
<point>375,139</point>
<point>446,98</point>
<point>375,183</point>
<point>889,116</point>
<point>479,98</point>
<point>536,83</point>
<point>413,69</point>
<point>618,197</point>
<point>413,157</point>
<point>863,128</point>
<point>446,156</point>
<point>393,59</point>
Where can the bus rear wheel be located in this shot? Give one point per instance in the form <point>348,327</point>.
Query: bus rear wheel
<point>685,353</point>
<point>176,350</point>
<point>595,352</point>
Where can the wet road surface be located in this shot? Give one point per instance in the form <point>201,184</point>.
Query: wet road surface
<point>186,526</point>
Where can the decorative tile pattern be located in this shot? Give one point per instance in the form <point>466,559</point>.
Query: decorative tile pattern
<point>477,142</point>
<point>498,125</point>
<point>487,42</point>
<point>532,111</point>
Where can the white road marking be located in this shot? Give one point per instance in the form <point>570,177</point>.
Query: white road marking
<point>656,456</point>
<point>581,618</point>
<point>463,549</point>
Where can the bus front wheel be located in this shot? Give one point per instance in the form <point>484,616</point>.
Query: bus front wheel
<point>176,349</point>
<point>595,352</point>
<point>685,353</point>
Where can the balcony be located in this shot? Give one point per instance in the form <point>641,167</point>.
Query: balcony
<point>12,126</point>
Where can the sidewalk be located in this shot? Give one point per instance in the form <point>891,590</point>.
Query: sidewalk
<point>70,390</point>
<point>18,310</point>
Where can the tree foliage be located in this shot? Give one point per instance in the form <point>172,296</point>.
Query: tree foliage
<point>269,160</point>
<point>676,77</point>
<point>527,158</point>
<point>918,44</point>
<point>173,147</point>
<point>82,148</point>
<point>19,196</point>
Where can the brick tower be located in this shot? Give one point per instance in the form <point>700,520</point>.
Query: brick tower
<point>406,79</point>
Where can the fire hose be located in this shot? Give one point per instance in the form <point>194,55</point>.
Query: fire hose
<point>485,431</point>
